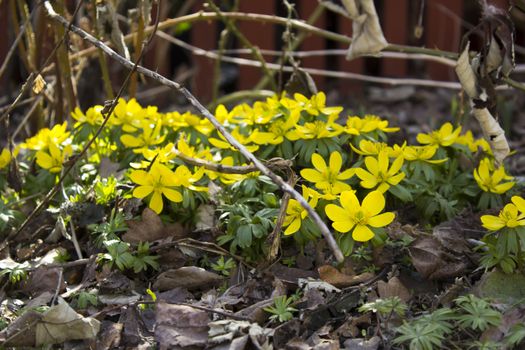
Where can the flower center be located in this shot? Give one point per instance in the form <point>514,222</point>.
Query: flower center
<point>361,218</point>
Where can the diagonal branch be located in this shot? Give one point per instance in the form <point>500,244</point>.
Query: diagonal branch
<point>285,187</point>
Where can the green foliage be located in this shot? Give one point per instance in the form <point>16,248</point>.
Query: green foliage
<point>224,266</point>
<point>477,314</point>
<point>84,299</point>
<point>118,253</point>
<point>16,273</point>
<point>142,260</point>
<point>105,190</point>
<point>109,230</point>
<point>470,317</point>
<point>385,307</point>
<point>281,311</point>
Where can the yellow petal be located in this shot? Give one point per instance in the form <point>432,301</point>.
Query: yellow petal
<point>140,177</point>
<point>396,166</point>
<point>44,160</point>
<point>142,191</point>
<point>493,223</point>
<point>295,225</point>
<point>156,203</point>
<point>336,161</point>
<point>349,201</point>
<point>372,165</point>
<point>172,195</point>
<point>381,220</point>
<point>519,202</point>
<point>130,141</point>
<point>312,175</point>
<point>345,175</point>
<point>318,162</point>
<point>362,233</point>
<point>336,213</point>
<point>374,203</point>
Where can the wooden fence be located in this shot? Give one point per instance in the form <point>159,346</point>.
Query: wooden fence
<point>444,23</point>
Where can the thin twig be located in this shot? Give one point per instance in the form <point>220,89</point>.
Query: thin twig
<point>313,71</point>
<point>275,164</point>
<point>208,115</point>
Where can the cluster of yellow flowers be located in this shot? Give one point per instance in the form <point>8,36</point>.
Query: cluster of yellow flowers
<point>269,128</point>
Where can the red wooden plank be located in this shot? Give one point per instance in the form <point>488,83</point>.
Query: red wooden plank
<point>261,35</point>
<point>443,32</point>
<point>313,42</point>
<point>203,35</point>
<point>395,28</point>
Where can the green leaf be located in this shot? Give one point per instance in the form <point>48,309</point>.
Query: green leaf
<point>401,192</point>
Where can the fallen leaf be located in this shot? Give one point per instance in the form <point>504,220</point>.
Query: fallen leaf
<point>151,228</point>
<point>61,323</point>
<point>189,277</point>
<point>363,344</point>
<point>393,288</point>
<point>44,279</point>
<point>110,335</point>
<point>340,280</point>
<point>180,326</point>
<point>433,261</point>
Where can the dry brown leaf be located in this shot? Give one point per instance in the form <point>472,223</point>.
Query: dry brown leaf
<point>433,261</point>
<point>61,323</point>
<point>393,288</point>
<point>340,280</point>
<point>367,35</point>
<point>151,228</point>
<point>189,277</point>
<point>180,326</point>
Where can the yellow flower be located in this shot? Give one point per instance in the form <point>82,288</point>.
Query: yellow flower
<point>159,181</point>
<point>358,217</point>
<point>315,130</point>
<point>276,131</point>
<point>92,116</point>
<point>445,136</point>
<point>129,114</point>
<point>508,217</point>
<point>53,160</point>
<point>192,121</point>
<point>186,178</point>
<point>316,104</point>
<point>161,155</point>
<point>378,174</point>
<point>490,180</point>
<point>422,153</point>
<point>370,148</point>
<point>295,213</point>
<point>378,123</point>
<point>41,141</point>
<point>325,177</point>
<point>5,158</point>
<point>150,136</point>
<point>468,140</point>
<point>223,144</point>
